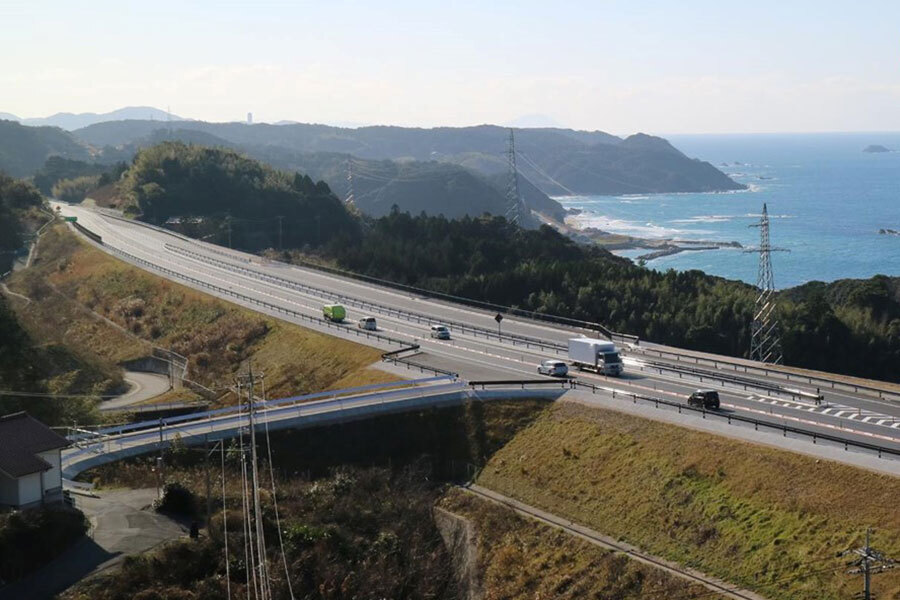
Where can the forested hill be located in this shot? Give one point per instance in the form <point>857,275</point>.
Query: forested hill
<point>23,150</point>
<point>19,217</point>
<point>558,161</point>
<point>211,190</point>
<point>857,321</point>
<point>437,188</point>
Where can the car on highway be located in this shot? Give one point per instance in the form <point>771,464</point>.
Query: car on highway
<point>555,368</point>
<point>440,332</point>
<point>367,323</point>
<point>708,399</point>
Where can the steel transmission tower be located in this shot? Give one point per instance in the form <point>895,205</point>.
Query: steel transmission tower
<point>515,206</point>
<point>349,199</point>
<point>765,337</point>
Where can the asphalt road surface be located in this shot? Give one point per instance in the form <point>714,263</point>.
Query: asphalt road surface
<point>477,350</point>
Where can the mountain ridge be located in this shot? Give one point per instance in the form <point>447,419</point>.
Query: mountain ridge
<point>557,161</point>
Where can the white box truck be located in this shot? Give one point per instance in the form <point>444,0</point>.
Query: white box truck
<point>596,355</point>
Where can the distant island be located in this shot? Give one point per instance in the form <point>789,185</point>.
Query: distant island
<point>875,148</point>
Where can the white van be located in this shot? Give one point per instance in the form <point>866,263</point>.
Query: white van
<point>367,323</point>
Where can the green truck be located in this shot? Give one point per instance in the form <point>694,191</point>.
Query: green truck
<point>334,312</point>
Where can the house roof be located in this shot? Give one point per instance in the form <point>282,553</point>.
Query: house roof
<point>21,439</point>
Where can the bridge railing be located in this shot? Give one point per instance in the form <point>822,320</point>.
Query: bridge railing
<point>404,386</point>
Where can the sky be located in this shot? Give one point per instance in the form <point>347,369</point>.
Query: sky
<point>657,67</point>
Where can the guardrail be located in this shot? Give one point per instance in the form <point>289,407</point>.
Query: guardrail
<point>475,303</point>
<point>262,303</point>
<point>746,382</point>
<point>527,341</point>
<point>87,232</point>
<point>819,382</point>
<point>536,316</point>
<point>785,429</point>
<point>393,358</point>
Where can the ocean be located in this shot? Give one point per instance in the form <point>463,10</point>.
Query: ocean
<point>827,201</point>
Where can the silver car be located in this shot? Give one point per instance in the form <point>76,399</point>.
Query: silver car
<point>555,368</point>
<point>440,332</point>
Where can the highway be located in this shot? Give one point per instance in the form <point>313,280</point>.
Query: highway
<point>477,350</point>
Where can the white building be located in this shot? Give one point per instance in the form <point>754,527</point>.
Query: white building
<point>29,462</point>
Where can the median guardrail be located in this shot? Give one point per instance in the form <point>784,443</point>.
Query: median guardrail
<point>262,303</point>
<point>737,380</point>
<point>813,380</point>
<point>521,340</point>
<point>528,314</point>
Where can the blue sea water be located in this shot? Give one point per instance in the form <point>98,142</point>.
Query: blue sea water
<point>826,199</point>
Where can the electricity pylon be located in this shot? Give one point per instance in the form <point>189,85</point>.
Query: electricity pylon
<point>515,205</point>
<point>765,336</point>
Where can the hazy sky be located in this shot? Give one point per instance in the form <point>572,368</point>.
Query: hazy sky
<point>661,67</point>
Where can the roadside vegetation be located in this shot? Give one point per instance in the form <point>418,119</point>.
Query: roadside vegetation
<point>521,558</point>
<point>358,533</point>
<point>100,306</point>
<point>20,553</point>
<point>356,505</point>
<point>766,519</point>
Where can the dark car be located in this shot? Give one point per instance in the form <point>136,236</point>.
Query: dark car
<point>708,399</point>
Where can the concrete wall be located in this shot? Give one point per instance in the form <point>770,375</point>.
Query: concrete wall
<point>53,477</point>
<point>30,489</point>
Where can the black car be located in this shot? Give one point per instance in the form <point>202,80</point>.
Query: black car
<point>708,399</point>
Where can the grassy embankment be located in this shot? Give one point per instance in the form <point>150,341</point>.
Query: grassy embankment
<point>521,558</point>
<point>71,280</point>
<point>376,521</point>
<point>766,519</point>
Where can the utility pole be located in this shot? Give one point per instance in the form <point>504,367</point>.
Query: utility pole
<point>765,337</point>
<point>262,575</point>
<point>870,562</point>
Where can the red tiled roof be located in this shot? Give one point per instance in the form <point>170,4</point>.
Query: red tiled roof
<point>21,439</point>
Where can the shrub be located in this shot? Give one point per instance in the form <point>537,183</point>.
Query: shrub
<point>176,499</point>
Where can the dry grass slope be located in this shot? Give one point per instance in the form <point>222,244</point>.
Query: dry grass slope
<point>520,558</point>
<point>766,519</point>
<point>71,280</point>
